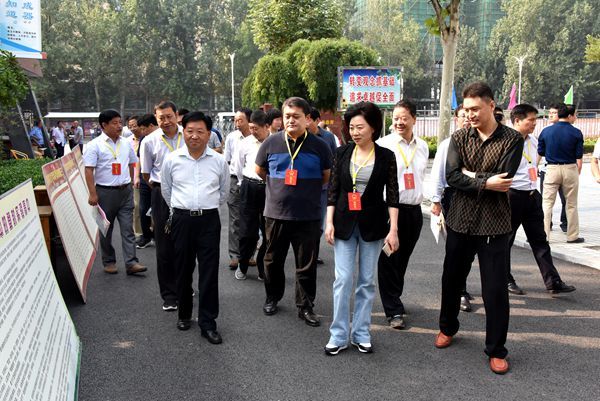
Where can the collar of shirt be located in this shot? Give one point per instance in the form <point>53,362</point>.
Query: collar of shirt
<point>185,152</point>
<point>401,139</point>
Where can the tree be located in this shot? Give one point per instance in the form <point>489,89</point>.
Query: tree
<point>398,43</point>
<point>272,80</point>
<point>13,82</point>
<point>554,46</point>
<point>279,23</point>
<point>446,25</point>
<point>469,65</point>
<point>592,50</point>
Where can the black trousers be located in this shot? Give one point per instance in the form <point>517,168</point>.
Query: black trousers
<point>561,194</point>
<point>196,238</point>
<point>252,195</point>
<point>165,253</point>
<point>144,206</point>
<point>302,235</point>
<point>446,201</point>
<point>391,270</point>
<point>526,209</point>
<point>493,256</point>
<point>60,150</point>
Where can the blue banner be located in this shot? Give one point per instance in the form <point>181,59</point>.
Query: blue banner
<point>379,85</point>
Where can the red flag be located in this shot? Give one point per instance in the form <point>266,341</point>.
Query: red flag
<point>513,98</point>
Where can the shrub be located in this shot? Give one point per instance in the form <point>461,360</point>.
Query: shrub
<point>14,172</point>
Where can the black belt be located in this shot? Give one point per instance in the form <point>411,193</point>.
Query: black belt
<point>407,206</point>
<point>254,181</point>
<point>113,186</point>
<point>199,212</point>
<point>528,192</point>
<point>558,164</point>
<point>233,176</point>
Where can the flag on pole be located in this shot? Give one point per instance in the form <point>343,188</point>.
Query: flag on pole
<point>513,98</point>
<point>569,96</point>
<point>454,102</point>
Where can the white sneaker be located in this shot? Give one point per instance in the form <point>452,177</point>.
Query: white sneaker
<point>332,349</point>
<point>365,348</point>
<point>239,275</point>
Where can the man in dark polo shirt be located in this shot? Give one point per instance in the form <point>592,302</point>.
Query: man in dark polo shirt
<point>480,165</point>
<point>294,165</point>
<point>562,146</point>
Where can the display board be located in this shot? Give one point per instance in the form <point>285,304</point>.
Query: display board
<point>21,28</point>
<point>39,346</point>
<point>379,85</point>
<point>78,244</point>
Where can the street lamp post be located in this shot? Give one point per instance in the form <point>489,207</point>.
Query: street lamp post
<point>232,56</point>
<point>520,60</point>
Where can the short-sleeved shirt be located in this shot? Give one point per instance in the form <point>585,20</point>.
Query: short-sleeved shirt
<point>522,180</point>
<point>561,143</point>
<point>36,133</point>
<point>154,149</point>
<point>101,153</point>
<point>302,201</point>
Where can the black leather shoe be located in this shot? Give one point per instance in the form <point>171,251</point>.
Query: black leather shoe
<point>212,336</point>
<point>576,241</point>
<point>270,307</point>
<point>563,228</point>
<point>466,294</point>
<point>513,288</point>
<point>320,261</point>
<point>561,286</point>
<point>309,317</point>
<point>184,324</point>
<point>465,305</point>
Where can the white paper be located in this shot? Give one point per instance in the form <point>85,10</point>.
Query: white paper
<point>438,227</point>
<point>101,219</point>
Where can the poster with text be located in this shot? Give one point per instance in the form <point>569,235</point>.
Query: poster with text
<point>21,28</point>
<point>81,195</point>
<point>79,246</point>
<point>39,346</point>
<point>379,85</point>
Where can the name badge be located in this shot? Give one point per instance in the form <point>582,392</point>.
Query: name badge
<point>354,201</point>
<point>291,177</point>
<point>409,181</point>
<point>116,169</point>
<point>533,174</point>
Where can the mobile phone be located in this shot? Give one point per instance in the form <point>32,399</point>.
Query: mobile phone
<point>386,249</point>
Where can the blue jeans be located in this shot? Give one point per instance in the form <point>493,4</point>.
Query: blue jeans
<point>345,256</point>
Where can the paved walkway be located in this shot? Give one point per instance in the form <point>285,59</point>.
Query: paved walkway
<point>587,253</point>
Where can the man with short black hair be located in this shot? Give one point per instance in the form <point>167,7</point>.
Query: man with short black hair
<point>562,146</point>
<point>109,160</point>
<point>295,165</point>
<point>480,165</point>
<point>241,120</point>
<point>526,204</point>
<point>194,184</point>
<point>155,148</point>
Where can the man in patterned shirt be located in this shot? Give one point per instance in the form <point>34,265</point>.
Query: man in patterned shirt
<point>480,165</point>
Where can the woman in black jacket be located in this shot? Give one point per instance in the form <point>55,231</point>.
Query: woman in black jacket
<point>358,219</point>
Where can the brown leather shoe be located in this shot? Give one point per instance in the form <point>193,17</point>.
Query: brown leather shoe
<point>442,340</point>
<point>110,269</point>
<point>252,262</point>
<point>499,365</point>
<point>137,268</point>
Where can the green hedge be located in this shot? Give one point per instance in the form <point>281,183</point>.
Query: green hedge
<point>14,172</point>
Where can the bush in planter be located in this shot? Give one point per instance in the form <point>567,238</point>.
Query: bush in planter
<point>14,172</point>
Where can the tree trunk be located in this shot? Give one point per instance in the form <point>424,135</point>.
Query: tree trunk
<point>122,108</point>
<point>97,93</point>
<point>449,45</point>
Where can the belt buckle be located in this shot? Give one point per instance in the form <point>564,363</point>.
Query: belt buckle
<point>196,212</point>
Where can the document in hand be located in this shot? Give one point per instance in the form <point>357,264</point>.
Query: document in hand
<point>101,219</point>
<point>438,226</point>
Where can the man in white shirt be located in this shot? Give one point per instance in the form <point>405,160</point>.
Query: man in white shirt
<point>155,148</point>
<point>77,135</point>
<point>252,196</point>
<point>58,134</point>
<point>109,161</point>
<point>194,184</point>
<point>412,154</point>
<point>595,158</point>
<point>526,205</point>
<point>242,117</point>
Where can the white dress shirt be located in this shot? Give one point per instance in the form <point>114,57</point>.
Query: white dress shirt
<point>246,158</point>
<point>417,166</point>
<point>438,171</point>
<point>192,184</point>
<point>230,144</point>
<point>59,135</point>
<point>154,150</point>
<point>100,153</point>
<point>521,180</point>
